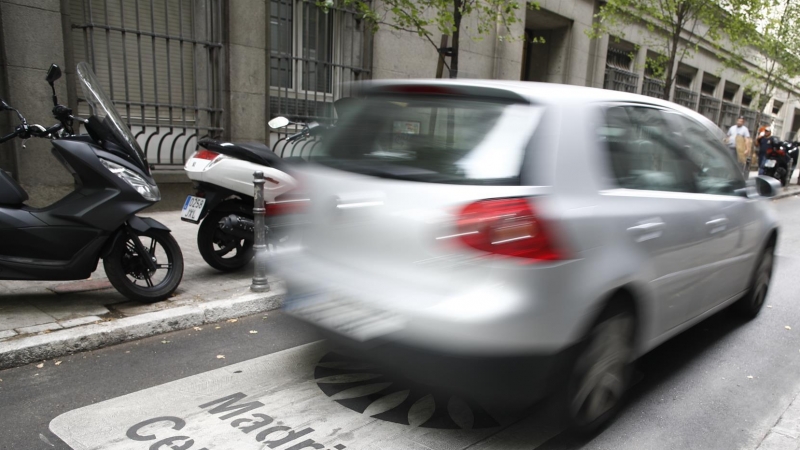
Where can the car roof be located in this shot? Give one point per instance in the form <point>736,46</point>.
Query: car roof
<point>552,93</point>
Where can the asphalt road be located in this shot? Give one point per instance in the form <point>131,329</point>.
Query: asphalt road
<point>720,385</point>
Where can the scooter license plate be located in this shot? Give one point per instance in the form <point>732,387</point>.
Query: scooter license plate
<point>192,208</point>
<point>770,163</point>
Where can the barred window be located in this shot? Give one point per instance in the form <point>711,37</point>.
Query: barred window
<point>159,63</point>
<point>314,54</point>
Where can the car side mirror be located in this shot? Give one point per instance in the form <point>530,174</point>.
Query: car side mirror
<point>767,186</point>
<point>53,74</point>
<point>278,122</point>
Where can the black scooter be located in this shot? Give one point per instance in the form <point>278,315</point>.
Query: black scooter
<point>777,163</point>
<point>64,241</point>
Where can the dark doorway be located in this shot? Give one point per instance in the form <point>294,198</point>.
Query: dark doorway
<point>546,49</point>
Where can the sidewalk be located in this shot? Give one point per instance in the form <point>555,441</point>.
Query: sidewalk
<point>45,319</point>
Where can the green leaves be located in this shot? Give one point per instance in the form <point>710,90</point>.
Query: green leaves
<point>674,29</point>
<point>428,18</point>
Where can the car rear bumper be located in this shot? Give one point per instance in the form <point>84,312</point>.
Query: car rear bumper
<point>527,312</point>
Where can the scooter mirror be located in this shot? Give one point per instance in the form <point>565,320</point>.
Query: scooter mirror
<point>278,122</point>
<point>53,74</point>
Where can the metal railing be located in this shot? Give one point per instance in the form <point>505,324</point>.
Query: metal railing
<point>160,62</point>
<point>653,88</point>
<point>620,80</point>
<point>685,97</point>
<point>750,117</point>
<point>728,114</point>
<point>315,59</point>
<point>298,149</point>
<point>709,107</point>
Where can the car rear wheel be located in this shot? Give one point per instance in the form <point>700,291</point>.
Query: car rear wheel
<point>600,375</point>
<point>750,305</point>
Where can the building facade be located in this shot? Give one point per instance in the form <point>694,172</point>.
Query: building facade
<point>181,70</point>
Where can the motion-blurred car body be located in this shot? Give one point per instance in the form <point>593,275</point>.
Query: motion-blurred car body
<point>529,227</point>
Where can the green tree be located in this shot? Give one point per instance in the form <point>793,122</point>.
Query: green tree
<point>676,28</point>
<point>424,17</point>
<point>777,39</point>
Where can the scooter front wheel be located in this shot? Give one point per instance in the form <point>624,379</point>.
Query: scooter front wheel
<point>220,250</point>
<point>128,273</point>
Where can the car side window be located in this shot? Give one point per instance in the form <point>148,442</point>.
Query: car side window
<point>716,173</point>
<point>641,151</point>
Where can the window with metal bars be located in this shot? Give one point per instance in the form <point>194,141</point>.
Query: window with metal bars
<point>314,54</point>
<point>619,59</point>
<point>159,61</point>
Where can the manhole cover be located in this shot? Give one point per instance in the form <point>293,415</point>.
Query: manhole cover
<point>367,389</point>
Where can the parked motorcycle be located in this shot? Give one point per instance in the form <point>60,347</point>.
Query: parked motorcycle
<point>792,149</point>
<point>223,200</point>
<point>778,164</point>
<point>65,241</point>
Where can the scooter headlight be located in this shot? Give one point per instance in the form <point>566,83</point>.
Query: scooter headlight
<point>149,191</point>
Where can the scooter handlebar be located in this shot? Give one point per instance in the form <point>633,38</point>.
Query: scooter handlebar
<point>9,137</point>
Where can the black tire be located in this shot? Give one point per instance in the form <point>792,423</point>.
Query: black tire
<point>220,250</point>
<point>750,305</point>
<point>600,374</point>
<point>125,271</point>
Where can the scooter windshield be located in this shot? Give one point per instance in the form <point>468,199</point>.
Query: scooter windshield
<point>103,108</point>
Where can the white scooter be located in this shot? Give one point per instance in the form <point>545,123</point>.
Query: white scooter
<point>223,202</point>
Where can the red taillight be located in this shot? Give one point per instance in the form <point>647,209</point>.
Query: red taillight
<point>282,207</point>
<point>421,89</point>
<point>205,154</point>
<point>507,227</point>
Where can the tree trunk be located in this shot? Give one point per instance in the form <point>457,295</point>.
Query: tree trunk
<point>670,78</point>
<point>456,34</point>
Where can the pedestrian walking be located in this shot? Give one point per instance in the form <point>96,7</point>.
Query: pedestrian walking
<point>738,138</point>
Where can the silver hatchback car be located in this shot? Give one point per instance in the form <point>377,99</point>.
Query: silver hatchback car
<point>495,237</point>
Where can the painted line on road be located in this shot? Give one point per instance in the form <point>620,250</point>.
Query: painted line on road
<point>300,398</point>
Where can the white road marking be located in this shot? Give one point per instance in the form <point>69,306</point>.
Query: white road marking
<point>271,402</point>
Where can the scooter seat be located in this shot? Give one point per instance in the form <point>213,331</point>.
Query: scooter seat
<point>254,152</point>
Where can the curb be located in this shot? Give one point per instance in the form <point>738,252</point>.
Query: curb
<point>788,193</point>
<point>18,352</point>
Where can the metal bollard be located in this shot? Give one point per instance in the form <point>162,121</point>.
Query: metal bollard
<point>260,283</point>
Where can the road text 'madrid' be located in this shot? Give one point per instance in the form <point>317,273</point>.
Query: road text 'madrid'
<point>226,408</point>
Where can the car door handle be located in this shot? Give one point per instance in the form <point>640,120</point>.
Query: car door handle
<point>647,230</point>
<point>717,225</point>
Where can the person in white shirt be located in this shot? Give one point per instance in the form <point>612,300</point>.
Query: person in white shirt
<point>737,130</point>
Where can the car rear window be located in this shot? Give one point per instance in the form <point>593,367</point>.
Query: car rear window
<point>434,139</point>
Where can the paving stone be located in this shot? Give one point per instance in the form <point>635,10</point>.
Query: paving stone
<point>793,411</point>
<point>39,328</point>
<point>7,334</point>
<point>19,314</point>
<point>787,428</point>
<point>72,308</point>
<point>777,441</point>
<point>79,321</point>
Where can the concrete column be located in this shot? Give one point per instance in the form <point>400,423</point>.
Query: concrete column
<point>720,90</point>
<point>737,98</point>
<point>639,65</point>
<point>246,68</point>
<point>600,55</point>
<point>32,38</point>
<point>697,84</point>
